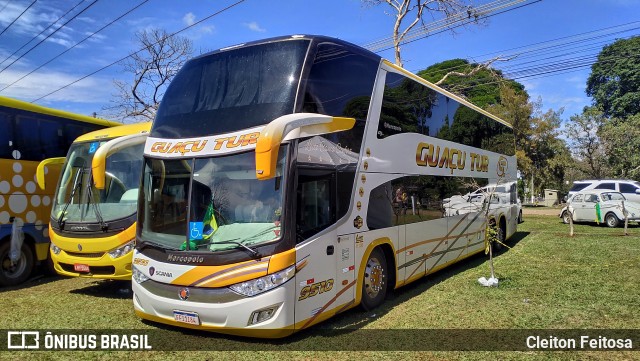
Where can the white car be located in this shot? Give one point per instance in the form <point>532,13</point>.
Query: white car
<point>629,188</point>
<point>585,205</point>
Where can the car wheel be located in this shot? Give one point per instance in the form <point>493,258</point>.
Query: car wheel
<point>565,217</point>
<point>611,220</point>
<point>374,284</point>
<point>520,217</point>
<point>11,273</point>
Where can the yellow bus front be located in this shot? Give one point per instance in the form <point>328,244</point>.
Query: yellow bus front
<point>92,226</point>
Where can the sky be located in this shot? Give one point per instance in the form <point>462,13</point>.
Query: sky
<point>543,34</point>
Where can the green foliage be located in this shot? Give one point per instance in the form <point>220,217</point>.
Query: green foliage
<point>614,82</point>
<point>621,141</point>
<point>582,130</point>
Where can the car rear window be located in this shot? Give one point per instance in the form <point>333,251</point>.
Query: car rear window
<point>578,187</point>
<point>610,186</point>
<point>628,188</point>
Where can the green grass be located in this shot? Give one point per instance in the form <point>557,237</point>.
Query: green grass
<point>547,281</point>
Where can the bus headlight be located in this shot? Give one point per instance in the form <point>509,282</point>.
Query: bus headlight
<point>264,284</point>
<point>122,250</point>
<point>55,249</point>
<point>138,276</point>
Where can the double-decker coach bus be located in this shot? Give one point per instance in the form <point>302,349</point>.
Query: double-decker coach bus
<point>290,179</point>
<point>30,133</point>
<point>92,226</point>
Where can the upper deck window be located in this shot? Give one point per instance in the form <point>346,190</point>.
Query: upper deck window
<point>232,90</point>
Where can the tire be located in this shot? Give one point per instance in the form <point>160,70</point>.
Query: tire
<point>565,217</point>
<point>15,274</point>
<point>374,284</point>
<point>498,246</point>
<point>611,220</point>
<point>520,217</point>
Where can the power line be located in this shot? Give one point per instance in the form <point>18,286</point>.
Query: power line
<point>43,30</point>
<point>48,36</point>
<point>136,52</point>
<point>19,16</point>
<point>76,44</point>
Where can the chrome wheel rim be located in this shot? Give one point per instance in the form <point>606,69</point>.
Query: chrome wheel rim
<point>373,278</point>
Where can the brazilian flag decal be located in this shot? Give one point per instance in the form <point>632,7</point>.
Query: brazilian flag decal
<point>598,215</point>
<point>210,224</point>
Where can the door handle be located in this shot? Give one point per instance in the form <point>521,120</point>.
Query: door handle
<point>330,250</point>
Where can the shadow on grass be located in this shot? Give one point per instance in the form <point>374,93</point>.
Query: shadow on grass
<point>35,280</point>
<point>106,289</point>
<point>345,323</point>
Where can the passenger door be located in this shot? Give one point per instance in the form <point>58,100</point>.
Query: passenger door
<point>577,203</point>
<point>316,257</point>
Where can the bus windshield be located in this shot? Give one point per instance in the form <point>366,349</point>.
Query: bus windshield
<point>231,90</point>
<point>82,202</point>
<point>228,206</point>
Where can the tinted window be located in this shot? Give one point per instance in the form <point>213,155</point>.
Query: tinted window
<point>340,82</point>
<point>611,186</point>
<point>231,90</point>
<point>413,199</point>
<point>627,188</point>
<point>27,140</point>
<point>53,141</point>
<point>316,202</point>
<point>410,107</point>
<point>578,187</point>
<point>5,135</point>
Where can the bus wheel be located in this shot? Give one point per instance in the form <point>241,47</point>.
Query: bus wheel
<point>14,273</point>
<point>497,244</point>
<point>612,220</point>
<point>374,285</point>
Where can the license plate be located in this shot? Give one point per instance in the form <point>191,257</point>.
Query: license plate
<point>186,317</point>
<point>78,267</point>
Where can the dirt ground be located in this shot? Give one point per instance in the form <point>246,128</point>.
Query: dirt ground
<point>545,211</point>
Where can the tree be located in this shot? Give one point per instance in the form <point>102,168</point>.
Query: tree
<point>152,69</point>
<point>614,82</point>
<point>414,11</point>
<point>586,145</point>
<point>621,140</point>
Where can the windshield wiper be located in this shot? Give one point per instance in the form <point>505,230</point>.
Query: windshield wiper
<point>77,182</point>
<point>233,241</point>
<point>90,200</point>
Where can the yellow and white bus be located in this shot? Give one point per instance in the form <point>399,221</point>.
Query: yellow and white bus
<point>92,226</point>
<point>291,179</point>
<point>30,133</point>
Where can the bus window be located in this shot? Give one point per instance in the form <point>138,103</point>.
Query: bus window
<point>316,201</point>
<point>52,139</point>
<point>6,136</point>
<point>28,141</point>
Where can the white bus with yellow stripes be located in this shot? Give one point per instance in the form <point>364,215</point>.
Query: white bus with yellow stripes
<point>290,179</point>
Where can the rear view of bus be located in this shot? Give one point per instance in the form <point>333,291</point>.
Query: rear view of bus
<point>92,225</point>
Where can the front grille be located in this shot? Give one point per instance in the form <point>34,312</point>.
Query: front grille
<point>85,255</point>
<point>93,270</point>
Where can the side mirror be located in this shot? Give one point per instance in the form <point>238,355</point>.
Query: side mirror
<point>40,169</point>
<point>309,124</point>
<point>99,162</point>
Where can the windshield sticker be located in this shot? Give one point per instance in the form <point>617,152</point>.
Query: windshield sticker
<point>195,230</point>
<point>93,147</point>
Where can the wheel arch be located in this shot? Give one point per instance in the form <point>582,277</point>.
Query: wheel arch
<point>389,253</point>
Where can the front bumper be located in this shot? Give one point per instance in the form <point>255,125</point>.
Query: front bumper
<point>218,309</point>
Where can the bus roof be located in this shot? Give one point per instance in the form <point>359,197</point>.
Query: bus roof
<point>19,104</point>
<point>115,132</point>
